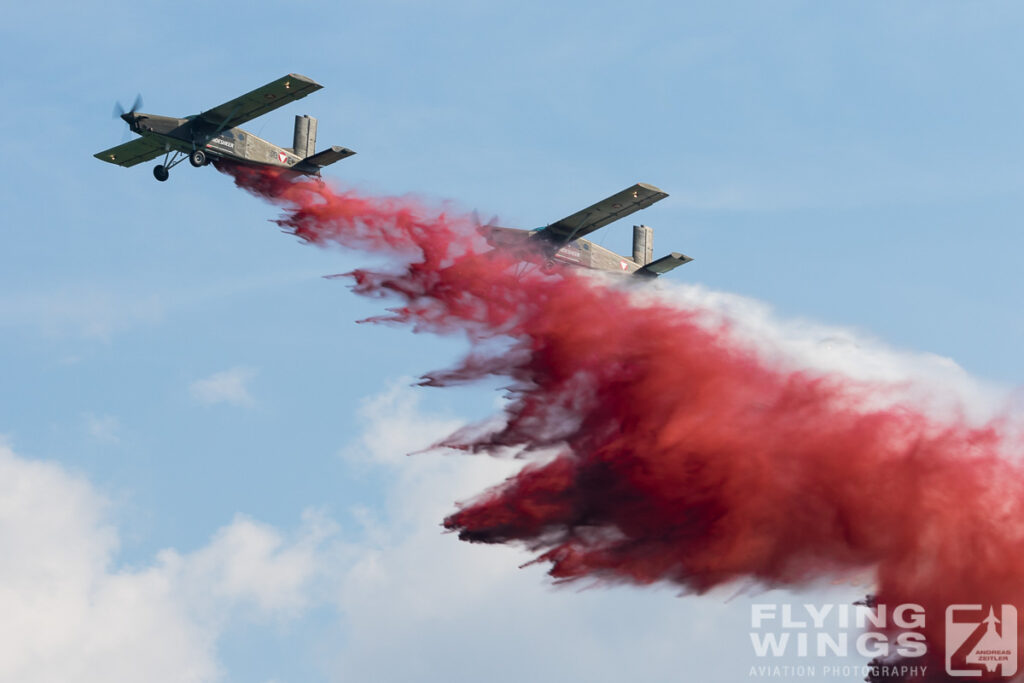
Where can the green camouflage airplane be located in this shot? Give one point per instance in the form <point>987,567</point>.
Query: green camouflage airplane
<point>214,134</point>
<point>560,241</point>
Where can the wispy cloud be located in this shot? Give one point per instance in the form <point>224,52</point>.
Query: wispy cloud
<point>227,386</point>
<point>105,428</point>
<point>85,311</point>
<point>101,311</point>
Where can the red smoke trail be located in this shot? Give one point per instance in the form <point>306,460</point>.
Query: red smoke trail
<point>683,455</point>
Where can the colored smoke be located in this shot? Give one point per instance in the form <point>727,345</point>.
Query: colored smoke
<point>681,453</point>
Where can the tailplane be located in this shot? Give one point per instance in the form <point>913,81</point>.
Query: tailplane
<point>313,164</point>
<point>328,156</point>
<point>663,265</point>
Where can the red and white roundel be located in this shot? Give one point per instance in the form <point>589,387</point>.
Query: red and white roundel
<point>282,156</point>
<point>622,264</point>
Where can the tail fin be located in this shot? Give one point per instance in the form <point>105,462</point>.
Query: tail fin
<point>304,141</point>
<point>643,244</point>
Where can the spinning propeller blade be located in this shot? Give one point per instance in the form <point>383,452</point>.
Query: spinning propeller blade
<point>119,111</point>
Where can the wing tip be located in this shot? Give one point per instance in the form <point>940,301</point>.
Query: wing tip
<point>107,156</point>
<point>305,79</point>
<point>652,188</point>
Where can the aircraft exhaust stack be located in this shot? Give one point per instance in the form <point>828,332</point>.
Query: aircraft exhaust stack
<point>305,136</point>
<point>643,244</point>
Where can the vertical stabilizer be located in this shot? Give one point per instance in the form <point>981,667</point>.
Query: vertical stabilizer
<point>305,136</point>
<point>643,244</point>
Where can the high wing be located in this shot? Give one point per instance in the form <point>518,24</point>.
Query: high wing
<point>260,101</point>
<point>613,208</point>
<point>134,152</point>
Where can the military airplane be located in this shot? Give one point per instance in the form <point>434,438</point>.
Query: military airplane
<point>561,241</point>
<point>214,134</point>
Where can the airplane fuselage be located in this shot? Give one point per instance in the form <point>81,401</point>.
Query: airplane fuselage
<point>236,144</point>
<point>579,252</point>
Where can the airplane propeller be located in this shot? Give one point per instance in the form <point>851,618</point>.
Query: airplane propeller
<point>120,113</point>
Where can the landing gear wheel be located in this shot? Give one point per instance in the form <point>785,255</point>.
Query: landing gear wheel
<point>161,173</point>
<point>197,158</point>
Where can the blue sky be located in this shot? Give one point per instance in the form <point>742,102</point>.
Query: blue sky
<point>851,163</point>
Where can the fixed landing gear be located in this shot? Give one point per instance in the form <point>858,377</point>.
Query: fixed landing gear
<point>173,157</point>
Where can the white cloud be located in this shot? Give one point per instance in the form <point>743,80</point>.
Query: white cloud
<point>248,562</point>
<point>227,386</point>
<point>394,426</point>
<point>67,615</point>
<point>70,614</point>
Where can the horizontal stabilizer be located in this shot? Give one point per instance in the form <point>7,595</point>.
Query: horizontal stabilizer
<point>313,164</point>
<point>329,156</point>
<point>663,265</point>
